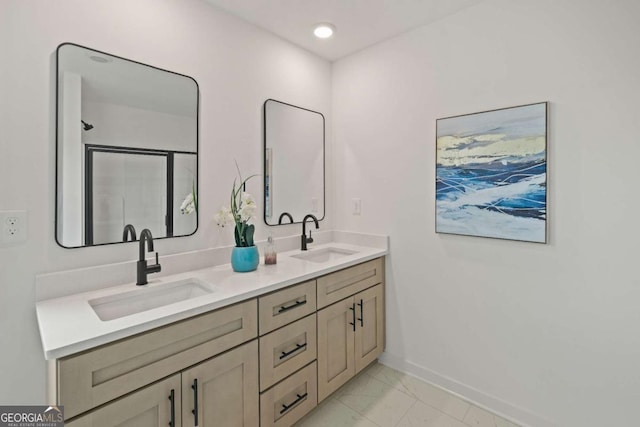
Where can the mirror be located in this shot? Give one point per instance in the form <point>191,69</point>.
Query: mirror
<point>293,163</point>
<point>126,149</point>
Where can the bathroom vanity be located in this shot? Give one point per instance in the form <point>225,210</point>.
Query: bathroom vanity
<point>202,345</point>
<point>261,349</point>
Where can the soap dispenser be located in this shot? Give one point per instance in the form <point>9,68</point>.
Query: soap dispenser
<point>270,254</point>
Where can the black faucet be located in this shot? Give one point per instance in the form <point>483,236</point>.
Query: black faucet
<point>304,237</point>
<point>129,231</point>
<point>282,215</point>
<point>143,269</point>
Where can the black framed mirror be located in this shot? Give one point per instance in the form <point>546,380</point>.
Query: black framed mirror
<point>126,149</point>
<point>294,163</point>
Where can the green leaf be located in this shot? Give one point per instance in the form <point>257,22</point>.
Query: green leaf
<point>195,195</point>
<point>237,236</point>
<point>249,234</point>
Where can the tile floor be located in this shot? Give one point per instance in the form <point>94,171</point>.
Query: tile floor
<point>383,397</point>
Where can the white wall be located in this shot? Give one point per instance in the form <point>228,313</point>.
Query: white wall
<point>237,68</point>
<point>535,331</point>
<point>126,126</point>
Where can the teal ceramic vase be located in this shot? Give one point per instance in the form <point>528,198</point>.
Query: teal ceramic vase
<point>244,259</point>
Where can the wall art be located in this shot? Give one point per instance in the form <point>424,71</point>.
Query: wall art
<point>491,174</point>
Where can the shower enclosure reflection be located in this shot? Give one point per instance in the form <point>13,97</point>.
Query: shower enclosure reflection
<point>127,148</point>
<point>136,187</point>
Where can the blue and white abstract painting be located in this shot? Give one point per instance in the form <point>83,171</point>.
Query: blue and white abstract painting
<point>491,174</point>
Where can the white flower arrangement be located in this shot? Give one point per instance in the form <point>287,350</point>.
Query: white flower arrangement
<point>241,210</point>
<point>190,203</point>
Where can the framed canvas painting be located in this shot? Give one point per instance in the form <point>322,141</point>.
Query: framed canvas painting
<point>491,174</point>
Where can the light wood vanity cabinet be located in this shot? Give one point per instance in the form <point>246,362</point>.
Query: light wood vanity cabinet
<point>267,361</point>
<point>286,350</point>
<point>344,283</point>
<point>291,399</point>
<point>350,331</point>
<point>336,342</point>
<point>89,379</point>
<point>288,374</point>
<point>222,391</point>
<point>350,337</point>
<point>369,336</point>
<point>149,407</point>
<point>286,305</point>
<point>86,380</point>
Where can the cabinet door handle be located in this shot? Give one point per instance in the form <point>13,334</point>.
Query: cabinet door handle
<point>172,399</point>
<point>353,311</point>
<point>292,306</point>
<point>285,408</point>
<point>194,411</point>
<point>290,352</point>
<point>361,319</point>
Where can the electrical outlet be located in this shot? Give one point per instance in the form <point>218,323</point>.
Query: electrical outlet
<point>314,205</point>
<point>14,226</point>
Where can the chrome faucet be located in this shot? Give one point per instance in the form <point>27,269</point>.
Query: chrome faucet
<point>129,231</point>
<point>304,237</point>
<point>282,215</point>
<point>143,269</point>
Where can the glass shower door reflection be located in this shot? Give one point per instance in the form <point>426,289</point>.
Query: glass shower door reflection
<point>126,188</point>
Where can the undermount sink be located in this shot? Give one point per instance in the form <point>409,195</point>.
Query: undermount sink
<point>324,254</point>
<point>147,298</point>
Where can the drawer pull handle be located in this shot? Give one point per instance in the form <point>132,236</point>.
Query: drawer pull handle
<point>290,352</point>
<point>194,411</point>
<point>285,408</point>
<point>292,306</point>
<point>172,399</point>
<point>353,311</point>
<point>361,319</point>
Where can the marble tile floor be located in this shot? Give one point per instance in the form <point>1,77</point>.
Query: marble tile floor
<point>383,397</point>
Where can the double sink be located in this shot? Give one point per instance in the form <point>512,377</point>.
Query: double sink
<point>149,297</point>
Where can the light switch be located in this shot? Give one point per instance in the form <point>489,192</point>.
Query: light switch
<point>357,207</point>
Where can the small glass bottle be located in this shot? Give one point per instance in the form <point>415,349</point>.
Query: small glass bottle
<point>270,254</point>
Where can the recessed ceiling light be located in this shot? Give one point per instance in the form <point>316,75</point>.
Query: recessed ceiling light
<point>100,59</point>
<point>324,30</point>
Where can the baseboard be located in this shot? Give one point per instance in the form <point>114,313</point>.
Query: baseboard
<point>486,401</point>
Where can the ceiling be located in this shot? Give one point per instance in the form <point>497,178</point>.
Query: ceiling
<point>359,23</point>
<point>123,82</point>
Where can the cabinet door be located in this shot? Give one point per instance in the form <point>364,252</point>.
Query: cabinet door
<point>152,406</point>
<point>335,346</point>
<point>369,336</point>
<point>223,391</point>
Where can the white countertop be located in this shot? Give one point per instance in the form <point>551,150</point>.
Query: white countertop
<point>69,324</point>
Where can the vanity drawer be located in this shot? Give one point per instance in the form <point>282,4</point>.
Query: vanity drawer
<point>282,307</point>
<point>91,378</point>
<point>342,284</point>
<point>290,400</point>
<point>286,350</point>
